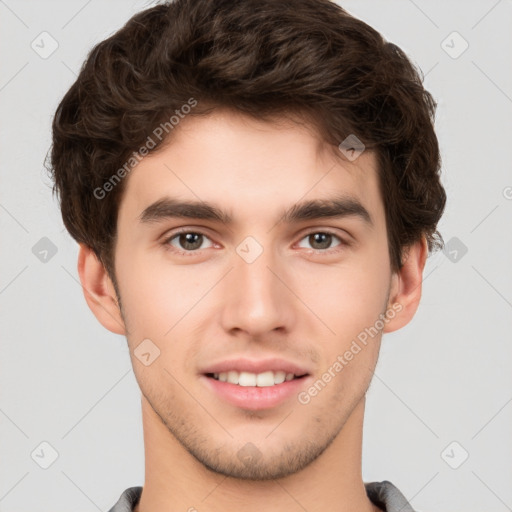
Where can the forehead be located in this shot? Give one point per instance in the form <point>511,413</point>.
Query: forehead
<point>250,167</point>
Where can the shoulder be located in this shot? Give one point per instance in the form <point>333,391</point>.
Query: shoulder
<point>128,500</point>
<point>387,496</point>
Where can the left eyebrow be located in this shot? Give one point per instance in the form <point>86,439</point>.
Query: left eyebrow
<point>337,207</point>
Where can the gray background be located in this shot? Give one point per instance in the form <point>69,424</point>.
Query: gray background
<point>442,388</point>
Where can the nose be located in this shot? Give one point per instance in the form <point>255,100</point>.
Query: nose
<point>257,297</point>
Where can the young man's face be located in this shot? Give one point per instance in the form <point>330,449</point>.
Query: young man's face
<point>261,290</point>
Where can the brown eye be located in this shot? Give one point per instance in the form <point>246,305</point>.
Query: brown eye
<point>186,241</point>
<point>190,241</point>
<point>321,240</point>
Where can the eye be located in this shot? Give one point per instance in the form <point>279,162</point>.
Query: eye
<point>322,240</point>
<point>185,242</point>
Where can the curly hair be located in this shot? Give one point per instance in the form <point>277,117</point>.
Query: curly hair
<point>262,58</point>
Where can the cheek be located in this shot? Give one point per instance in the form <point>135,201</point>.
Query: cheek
<point>347,298</point>
<point>155,294</point>
<point>350,306</point>
<point>164,303</point>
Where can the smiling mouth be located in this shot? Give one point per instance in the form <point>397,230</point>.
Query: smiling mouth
<point>248,379</point>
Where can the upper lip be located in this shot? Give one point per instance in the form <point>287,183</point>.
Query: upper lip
<point>256,366</point>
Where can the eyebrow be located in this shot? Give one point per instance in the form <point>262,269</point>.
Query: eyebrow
<point>336,207</point>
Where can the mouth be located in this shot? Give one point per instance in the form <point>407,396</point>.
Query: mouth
<point>258,390</point>
<point>256,384</point>
<point>268,378</point>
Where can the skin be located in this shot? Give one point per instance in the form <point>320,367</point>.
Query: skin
<point>299,300</point>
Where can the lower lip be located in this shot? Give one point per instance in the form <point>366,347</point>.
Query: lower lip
<point>256,398</point>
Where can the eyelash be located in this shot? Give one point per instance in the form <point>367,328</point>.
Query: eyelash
<point>167,240</point>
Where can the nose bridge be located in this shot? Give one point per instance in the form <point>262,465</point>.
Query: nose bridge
<point>256,301</point>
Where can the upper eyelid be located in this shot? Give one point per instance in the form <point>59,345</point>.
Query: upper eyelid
<point>180,231</point>
<point>325,231</point>
<point>341,239</point>
<point>200,231</point>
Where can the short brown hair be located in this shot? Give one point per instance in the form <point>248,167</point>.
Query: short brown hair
<point>262,58</point>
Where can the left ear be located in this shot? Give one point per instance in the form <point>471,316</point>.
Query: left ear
<point>405,292</point>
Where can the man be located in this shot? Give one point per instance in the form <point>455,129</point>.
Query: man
<point>255,188</point>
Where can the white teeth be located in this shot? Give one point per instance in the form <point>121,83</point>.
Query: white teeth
<point>279,377</point>
<point>233,377</point>
<point>264,379</point>
<point>247,379</point>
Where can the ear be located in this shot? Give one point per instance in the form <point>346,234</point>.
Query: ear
<point>99,291</point>
<point>406,283</point>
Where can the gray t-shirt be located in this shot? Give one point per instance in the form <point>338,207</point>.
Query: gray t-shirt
<point>383,494</point>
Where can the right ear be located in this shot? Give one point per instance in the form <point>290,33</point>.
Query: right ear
<point>99,291</point>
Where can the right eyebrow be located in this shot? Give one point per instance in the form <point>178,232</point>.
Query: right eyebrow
<point>168,207</point>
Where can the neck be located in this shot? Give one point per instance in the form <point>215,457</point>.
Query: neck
<point>176,481</point>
